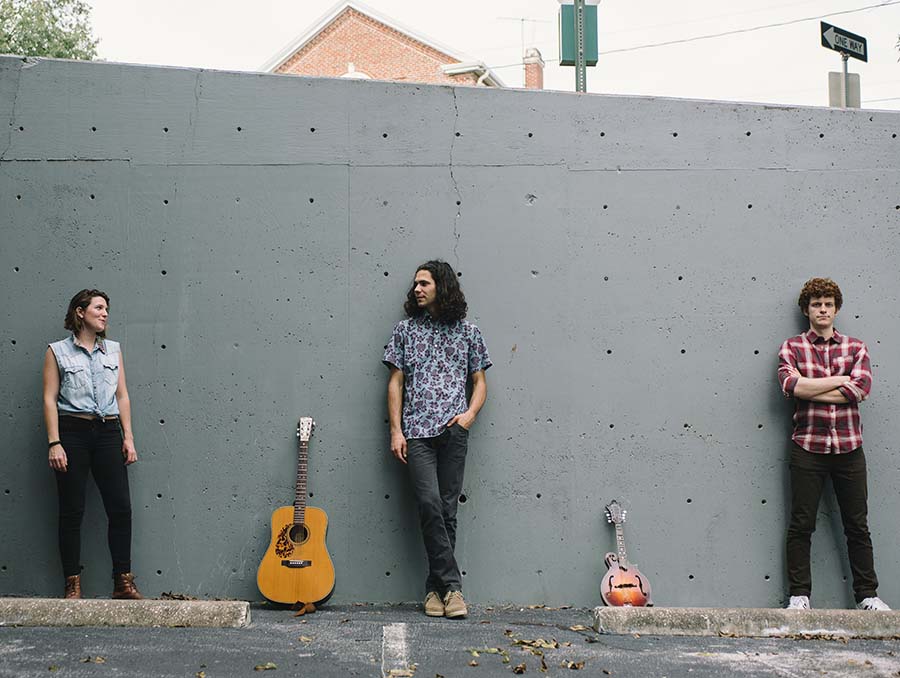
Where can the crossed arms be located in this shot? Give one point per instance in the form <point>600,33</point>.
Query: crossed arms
<point>848,388</point>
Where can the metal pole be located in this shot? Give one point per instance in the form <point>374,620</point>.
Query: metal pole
<point>844,97</point>
<point>580,61</point>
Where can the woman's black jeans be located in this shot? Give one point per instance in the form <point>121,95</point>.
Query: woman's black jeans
<point>93,447</point>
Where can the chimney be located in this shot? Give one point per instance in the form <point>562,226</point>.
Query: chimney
<point>534,69</point>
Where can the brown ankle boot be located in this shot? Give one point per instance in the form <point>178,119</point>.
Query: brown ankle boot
<point>73,586</point>
<point>124,587</point>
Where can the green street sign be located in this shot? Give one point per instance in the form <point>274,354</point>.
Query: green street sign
<point>567,41</point>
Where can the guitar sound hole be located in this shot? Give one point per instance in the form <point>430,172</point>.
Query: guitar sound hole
<point>299,534</point>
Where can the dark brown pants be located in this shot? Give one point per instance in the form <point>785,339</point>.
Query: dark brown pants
<point>848,476</point>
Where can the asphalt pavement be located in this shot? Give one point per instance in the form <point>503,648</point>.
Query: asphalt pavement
<point>400,641</point>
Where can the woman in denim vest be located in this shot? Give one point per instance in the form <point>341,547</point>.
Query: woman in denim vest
<point>88,417</point>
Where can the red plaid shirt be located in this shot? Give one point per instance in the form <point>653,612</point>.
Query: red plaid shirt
<point>826,428</point>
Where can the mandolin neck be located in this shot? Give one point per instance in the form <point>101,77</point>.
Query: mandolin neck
<point>620,545</point>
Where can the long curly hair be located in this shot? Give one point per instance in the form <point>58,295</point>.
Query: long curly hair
<point>819,287</point>
<point>450,302</point>
<point>82,300</point>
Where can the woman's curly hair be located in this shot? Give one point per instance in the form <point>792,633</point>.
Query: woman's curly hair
<point>450,302</point>
<point>819,287</point>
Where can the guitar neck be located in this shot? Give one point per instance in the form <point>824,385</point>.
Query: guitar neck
<point>620,544</point>
<point>300,488</point>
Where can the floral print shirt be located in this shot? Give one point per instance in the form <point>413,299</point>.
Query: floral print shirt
<point>436,359</point>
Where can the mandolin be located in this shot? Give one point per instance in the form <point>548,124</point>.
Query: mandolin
<point>623,584</point>
<point>296,567</point>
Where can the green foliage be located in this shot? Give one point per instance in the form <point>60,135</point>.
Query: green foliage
<point>49,28</point>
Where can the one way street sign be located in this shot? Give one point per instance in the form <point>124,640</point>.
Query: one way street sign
<point>844,41</point>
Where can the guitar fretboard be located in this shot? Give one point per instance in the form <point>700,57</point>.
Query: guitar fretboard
<point>620,544</point>
<point>300,490</point>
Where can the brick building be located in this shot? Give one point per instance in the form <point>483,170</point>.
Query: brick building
<point>354,41</point>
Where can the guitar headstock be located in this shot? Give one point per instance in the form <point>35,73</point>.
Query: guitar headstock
<point>305,428</point>
<point>615,514</point>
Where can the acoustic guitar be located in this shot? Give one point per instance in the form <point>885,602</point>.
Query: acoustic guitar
<point>623,584</point>
<point>296,567</point>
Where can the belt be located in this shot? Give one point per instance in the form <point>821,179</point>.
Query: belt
<point>91,417</point>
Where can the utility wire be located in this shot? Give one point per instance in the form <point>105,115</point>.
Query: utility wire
<point>887,3</point>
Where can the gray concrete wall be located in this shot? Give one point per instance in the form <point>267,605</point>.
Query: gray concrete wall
<point>633,263</point>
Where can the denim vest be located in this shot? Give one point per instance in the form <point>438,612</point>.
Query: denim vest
<point>87,381</point>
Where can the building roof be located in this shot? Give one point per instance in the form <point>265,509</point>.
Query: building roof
<point>342,6</point>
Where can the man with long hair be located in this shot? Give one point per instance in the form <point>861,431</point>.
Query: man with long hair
<point>828,374</point>
<point>431,356</point>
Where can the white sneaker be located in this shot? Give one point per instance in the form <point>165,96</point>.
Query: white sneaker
<point>874,603</point>
<point>802,603</point>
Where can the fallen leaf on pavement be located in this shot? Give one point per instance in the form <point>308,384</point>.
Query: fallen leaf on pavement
<point>473,663</point>
<point>576,666</point>
<point>94,660</point>
<point>519,669</point>
<point>200,674</point>
<point>53,667</point>
<point>305,639</point>
<point>171,595</point>
<point>268,666</point>
<point>402,673</point>
<point>579,627</point>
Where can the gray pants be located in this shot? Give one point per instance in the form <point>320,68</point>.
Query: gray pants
<point>436,467</point>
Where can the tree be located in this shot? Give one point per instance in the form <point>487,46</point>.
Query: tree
<point>50,28</point>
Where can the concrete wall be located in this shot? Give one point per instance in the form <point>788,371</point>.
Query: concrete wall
<point>633,263</point>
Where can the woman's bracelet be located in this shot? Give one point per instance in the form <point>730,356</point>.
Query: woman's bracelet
<point>55,442</point>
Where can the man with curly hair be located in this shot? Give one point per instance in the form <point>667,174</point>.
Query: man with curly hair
<point>432,355</point>
<point>828,375</point>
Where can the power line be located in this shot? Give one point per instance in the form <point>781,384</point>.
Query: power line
<point>888,3</point>
<point>872,101</point>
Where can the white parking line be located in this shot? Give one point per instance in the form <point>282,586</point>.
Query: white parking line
<point>394,649</point>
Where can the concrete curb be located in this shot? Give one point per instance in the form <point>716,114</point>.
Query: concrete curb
<point>104,612</point>
<point>747,622</point>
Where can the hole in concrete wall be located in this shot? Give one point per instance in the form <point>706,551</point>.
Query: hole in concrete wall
<point>747,133</point>
<point>681,277</point>
<point>683,351</point>
<point>612,425</point>
<point>530,134</point>
<point>311,495</point>
<point>459,274</point>
<point>756,351</point>
<point>240,129</point>
<point>387,574</point>
<point>387,496</point>
<point>163,272</point>
<point>3,567</point>
<point>93,129</point>
<point>759,426</point>
<point>764,501</point>
<point>16,269</point>
<point>166,130</point>
<point>753,278</point>
<point>463,573</point>
<point>93,196</point>
<point>605,278</point>
<point>609,351</point>
<point>384,136</point>
<point>158,495</point>
<point>6,491</point>
<point>602,134</point>
<point>457,134</point>
<point>821,135</point>
<point>463,499</point>
<point>690,501</point>
<point>538,495</point>
<point>458,203</point>
<point>674,134</point>
<point>159,572</point>
<point>894,135</point>
<point>767,577</point>
<point>13,341</point>
<point>844,577</point>
<point>21,129</point>
<point>163,346</point>
<point>312,200</point>
<point>165,202</point>
<point>606,207</point>
<point>386,274</point>
<point>690,576</point>
<point>749,206</point>
<point>162,421</point>
<point>19,196</point>
<point>312,129</point>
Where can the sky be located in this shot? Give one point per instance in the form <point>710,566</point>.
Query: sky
<point>782,65</point>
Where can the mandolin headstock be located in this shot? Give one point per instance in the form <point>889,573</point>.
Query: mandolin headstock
<point>305,428</point>
<point>615,514</point>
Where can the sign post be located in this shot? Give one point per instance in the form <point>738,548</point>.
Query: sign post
<point>578,38</point>
<point>849,45</point>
